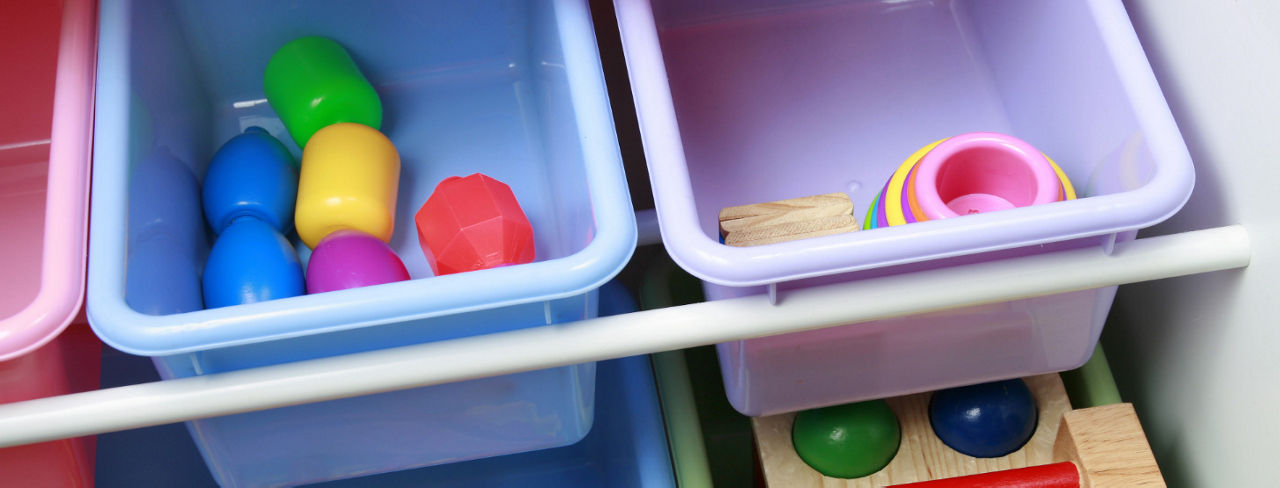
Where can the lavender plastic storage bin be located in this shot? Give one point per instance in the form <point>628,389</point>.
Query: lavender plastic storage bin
<point>742,102</point>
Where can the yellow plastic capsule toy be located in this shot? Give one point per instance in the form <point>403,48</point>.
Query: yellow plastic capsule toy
<point>349,178</point>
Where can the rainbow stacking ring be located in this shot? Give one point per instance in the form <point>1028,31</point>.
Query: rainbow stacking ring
<point>971,173</point>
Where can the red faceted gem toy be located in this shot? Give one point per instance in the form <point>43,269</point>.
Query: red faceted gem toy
<point>473,223</point>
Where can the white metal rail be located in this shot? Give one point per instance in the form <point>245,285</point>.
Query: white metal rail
<point>618,336</point>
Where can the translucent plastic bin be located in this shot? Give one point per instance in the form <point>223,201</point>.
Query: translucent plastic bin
<point>512,89</point>
<point>747,102</point>
<point>67,364</point>
<point>44,168</point>
<point>626,446</point>
<point>46,91</point>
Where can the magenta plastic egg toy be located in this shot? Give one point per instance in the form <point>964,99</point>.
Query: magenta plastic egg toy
<point>352,259</point>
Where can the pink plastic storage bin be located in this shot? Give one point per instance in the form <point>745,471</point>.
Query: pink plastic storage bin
<point>748,101</point>
<point>46,91</point>
<point>70,363</point>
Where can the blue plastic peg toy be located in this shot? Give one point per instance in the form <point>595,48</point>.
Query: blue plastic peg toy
<point>249,193</point>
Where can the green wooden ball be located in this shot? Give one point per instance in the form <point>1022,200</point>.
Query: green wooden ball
<point>847,441</point>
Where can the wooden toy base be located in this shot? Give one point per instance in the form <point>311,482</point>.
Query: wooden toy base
<point>1109,447</point>
<point>921,456</point>
<point>1105,444</point>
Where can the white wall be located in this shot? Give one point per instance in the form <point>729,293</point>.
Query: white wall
<point>1199,355</point>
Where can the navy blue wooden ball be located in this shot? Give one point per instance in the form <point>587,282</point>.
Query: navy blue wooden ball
<point>987,420</point>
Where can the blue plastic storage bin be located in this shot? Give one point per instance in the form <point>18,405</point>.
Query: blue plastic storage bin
<point>627,446</point>
<point>513,89</point>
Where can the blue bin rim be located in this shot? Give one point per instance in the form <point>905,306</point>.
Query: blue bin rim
<point>127,330</point>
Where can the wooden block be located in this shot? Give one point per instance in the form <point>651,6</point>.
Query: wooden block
<point>833,202</point>
<point>785,220</point>
<point>790,231</point>
<point>742,217</point>
<point>1108,446</point>
<point>921,455</point>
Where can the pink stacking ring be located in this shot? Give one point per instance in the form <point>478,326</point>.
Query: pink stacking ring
<point>983,172</point>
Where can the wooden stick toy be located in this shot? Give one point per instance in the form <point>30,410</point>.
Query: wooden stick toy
<point>786,220</point>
